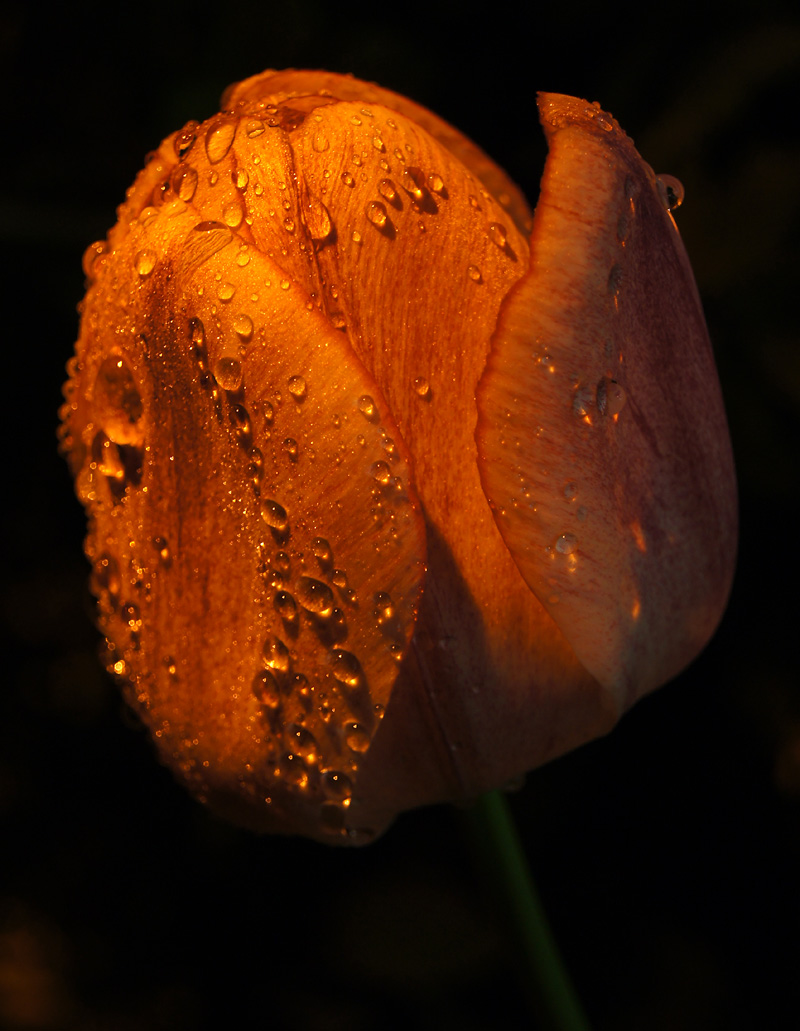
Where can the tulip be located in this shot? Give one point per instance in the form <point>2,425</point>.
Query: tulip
<point>395,492</point>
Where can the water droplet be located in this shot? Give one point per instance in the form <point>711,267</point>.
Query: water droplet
<point>339,578</point>
<point>570,491</point>
<point>386,188</point>
<point>185,138</point>
<point>293,770</point>
<point>336,785</point>
<point>162,548</point>
<point>376,213</point>
<point>118,402</point>
<point>225,291</point>
<point>566,544</point>
<point>232,214</point>
<point>346,668</point>
<point>356,737</point>
<point>381,472</point>
<point>318,220</point>
<point>671,191</point>
<point>413,182</point>
<point>145,261</point>
<point>474,274</point>
<point>285,606</point>
<point>291,448</point>
<point>297,387</point>
<point>347,179</point>
<point>302,742</point>
<point>240,178</point>
<point>435,183</point>
<point>582,402</point>
<point>243,327</point>
<point>611,397</point>
<point>384,607</point>
<point>498,234</point>
<point>219,139</point>
<point>315,596</point>
<point>228,373</point>
<point>367,408</point>
<point>288,224</point>
<point>274,515</point>
<point>265,688</point>
<point>254,127</point>
<point>276,654</point>
<point>323,552</point>
<point>422,388</point>
<point>184,182</point>
<point>320,142</point>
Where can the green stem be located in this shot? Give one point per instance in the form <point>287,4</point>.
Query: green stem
<point>546,981</point>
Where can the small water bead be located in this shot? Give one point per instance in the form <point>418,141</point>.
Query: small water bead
<point>268,412</point>
<point>367,408</point>
<point>118,401</point>
<point>474,273</point>
<point>274,515</point>
<point>297,387</point>
<point>282,564</point>
<point>285,606</point>
<point>232,214</point>
<point>347,179</point>
<point>301,742</point>
<point>315,596</point>
<point>498,234</point>
<point>240,178</point>
<point>356,737</point>
<point>381,472</point>
<point>386,189</point>
<point>107,457</point>
<point>384,607</point>
<point>582,402</point>
<point>293,770</point>
<point>266,690</point>
<point>185,138</point>
<point>376,213</point>
<point>566,544</point>
<point>291,448</point>
<point>336,786</point>
<point>435,183</point>
<point>288,224</point>
<point>320,142</point>
<point>253,128</point>
<point>339,578</point>
<point>378,144</point>
<point>219,139</point>
<point>414,182</point>
<point>346,668</point>
<point>276,654</point>
<point>184,182</point>
<point>318,220</point>
<point>610,397</point>
<point>225,291</point>
<point>422,388</point>
<point>570,491</point>
<point>243,327</point>
<point>145,262</point>
<point>671,191</point>
<point>614,284</point>
<point>228,373</point>
<point>322,552</point>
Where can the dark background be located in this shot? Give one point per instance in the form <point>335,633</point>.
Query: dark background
<point>667,854</point>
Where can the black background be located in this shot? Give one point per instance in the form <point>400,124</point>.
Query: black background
<point>667,854</point>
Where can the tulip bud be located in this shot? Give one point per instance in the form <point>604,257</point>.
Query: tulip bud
<point>393,493</point>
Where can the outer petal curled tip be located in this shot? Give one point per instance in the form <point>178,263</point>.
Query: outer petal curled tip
<point>257,546</point>
<point>603,442</point>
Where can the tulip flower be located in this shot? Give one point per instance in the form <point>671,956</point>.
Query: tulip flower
<point>394,490</point>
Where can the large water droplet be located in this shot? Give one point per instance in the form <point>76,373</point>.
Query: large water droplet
<point>219,139</point>
<point>376,213</point>
<point>243,327</point>
<point>318,220</point>
<point>228,373</point>
<point>566,544</point>
<point>274,515</point>
<point>315,596</point>
<point>422,388</point>
<point>232,214</point>
<point>671,191</point>
<point>367,408</point>
<point>118,402</point>
<point>336,785</point>
<point>611,397</point>
<point>414,182</point>
<point>474,274</point>
<point>346,668</point>
<point>297,387</point>
<point>145,262</point>
<point>276,654</point>
<point>384,607</point>
<point>285,606</point>
<point>323,552</point>
<point>498,234</point>
<point>356,737</point>
<point>184,182</point>
<point>386,189</point>
<point>265,688</point>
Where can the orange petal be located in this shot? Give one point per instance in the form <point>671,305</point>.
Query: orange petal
<point>256,540</point>
<point>602,436</point>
